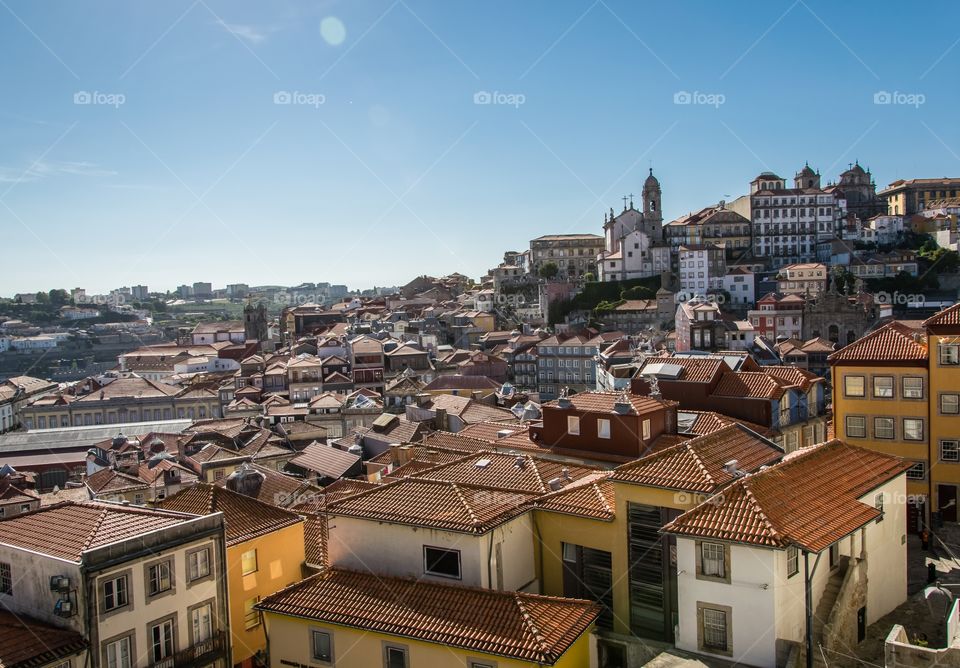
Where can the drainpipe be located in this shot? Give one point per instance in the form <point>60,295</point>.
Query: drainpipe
<point>808,597</point>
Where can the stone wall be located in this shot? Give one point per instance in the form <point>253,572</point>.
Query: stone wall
<point>840,631</point>
<point>898,652</point>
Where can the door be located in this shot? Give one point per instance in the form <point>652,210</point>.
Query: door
<point>861,624</point>
<point>947,502</point>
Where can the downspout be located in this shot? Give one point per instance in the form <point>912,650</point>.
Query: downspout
<point>539,546</point>
<point>489,558</point>
<point>808,598</point>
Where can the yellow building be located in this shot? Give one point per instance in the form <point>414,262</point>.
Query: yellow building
<point>599,538</point>
<point>897,390</point>
<point>358,620</point>
<point>265,553</point>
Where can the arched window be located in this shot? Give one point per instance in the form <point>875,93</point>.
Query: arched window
<point>834,334</point>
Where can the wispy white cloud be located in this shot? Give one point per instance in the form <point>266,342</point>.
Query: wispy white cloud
<point>42,169</point>
<point>249,33</point>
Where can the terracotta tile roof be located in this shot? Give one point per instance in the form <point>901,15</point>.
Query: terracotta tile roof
<point>522,472</point>
<point>244,518</point>
<point>894,342</point>
<point>28,643</point>
<point>592,496</point>
<point>526,627</point>
<point>810,499</point>
<point>325,460</point>
<point>340,489</point>
<point>697,465</point>
<point>315,536</point>
<point>488,431</point>
<point>750,385</point>
<point>460,382</point>
<point>948,316</point>
<point>791,375</point>
<point>106,481</point>
<point>695,369</point>
<point>603,402</point>
<point>426,453</point>
<point>276,488</point>
<point>451,441</point>
<point>69,528</point>
<point>434,503</point>
<point>707,422</point>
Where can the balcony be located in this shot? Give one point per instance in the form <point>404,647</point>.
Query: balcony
<point>202,653</point>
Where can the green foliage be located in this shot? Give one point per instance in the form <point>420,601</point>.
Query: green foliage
<point>589,277</point>
<point>549,270</point>
<point>593,294</point>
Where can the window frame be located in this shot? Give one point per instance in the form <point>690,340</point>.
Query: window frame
<point>846,387</point>
<point>793,561</point>
<point>892,389</point>
<point>603,428</point>
<point>314,632</point>
<point>724,556</point>
<point>250,613</point>
<point>941,347</point>
<point>893,428</point>
<point>426,562</point>
<point>846,426</point>
<point>702,609</point>
<point>170,620</point>
<point>922,467</point>
<point>156,566</point>
<point>903,388</point>
<point>573,425</point>
<point>940,403</point>
<point>244,562</point>
<point>923,430</point>
<point>125,577</point>
<point>130,637</point>
<point>404,649</point>
<point>191,554</point>
<point>956,446</point>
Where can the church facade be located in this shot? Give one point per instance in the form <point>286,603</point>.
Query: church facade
<point>633,240</point>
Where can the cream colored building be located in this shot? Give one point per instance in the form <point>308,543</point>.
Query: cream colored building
<point>146,588</point>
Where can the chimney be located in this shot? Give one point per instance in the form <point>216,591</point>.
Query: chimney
<point>395,454</point>
<point>442,422</point>
<point>406,454</point>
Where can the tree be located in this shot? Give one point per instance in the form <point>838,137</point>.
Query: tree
<point>589,277</point>
<point>58,297</point>
<point>549,270</point>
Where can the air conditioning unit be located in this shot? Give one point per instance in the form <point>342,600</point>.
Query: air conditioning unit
<point>63,608</point>
<point>59,583</point>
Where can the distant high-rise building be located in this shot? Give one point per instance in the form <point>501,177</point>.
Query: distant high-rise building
<point>185,292</point>
<point>238,290</point>
<point>202,290</point>
<point>139,292</point>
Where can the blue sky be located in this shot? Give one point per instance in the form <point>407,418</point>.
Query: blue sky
<point>179,165</point>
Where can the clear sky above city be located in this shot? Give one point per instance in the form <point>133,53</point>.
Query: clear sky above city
<point>368,142</point>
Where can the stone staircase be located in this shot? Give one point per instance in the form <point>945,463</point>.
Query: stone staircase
<point>824,608</point>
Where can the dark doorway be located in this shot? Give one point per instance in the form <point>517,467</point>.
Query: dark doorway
<point>861,624</point>
<point>587,574</point>
<point>947,502</point>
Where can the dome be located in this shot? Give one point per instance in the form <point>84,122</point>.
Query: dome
<point>806,171</point>
<point>651,181</point>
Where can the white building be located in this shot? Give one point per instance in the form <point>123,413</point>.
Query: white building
<point>832,515</point>
<point>739,283</point>
<point>436,530</point>
<point>702,269</point>
<point>633,245</point>
<point>39,342</point>
<point>788,222</point>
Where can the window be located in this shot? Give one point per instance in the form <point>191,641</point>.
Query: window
<point>198,564</point>
<point>442,562</point>
<point>646,429</point>
<point>159,578</point>
<point>201,623</point>
<point>321,646</point>
<point>883,387</point>
<point>917,472</point>
<point>883,427</point>
<point>6,579</point>
<point>856,426</point>
<point>949,452</point>
<point>912,388</point>
<point>878,504</point>
<point>115,593</point>
<point>603,428</point>
<point>251,616</point>
<point>118,653</point>
<point>161,640</point>
<point>714,629</point>
<point>912,429</point>
<point>573,425</point>
<point>853,386</point>
<point>949,354</point>
<point>248,562</point>
<point>712,562</point>
<point>950,404</point>
<point>793,561</point>
<point>394,656</point>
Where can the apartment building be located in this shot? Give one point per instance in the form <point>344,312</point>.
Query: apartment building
<point>908,196</point>
<point>145,588</point>
<point>808,279</point>
<point>702,268</point>
<point>569,362</point>
<point>574,254</point>
<point>716,225</point>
